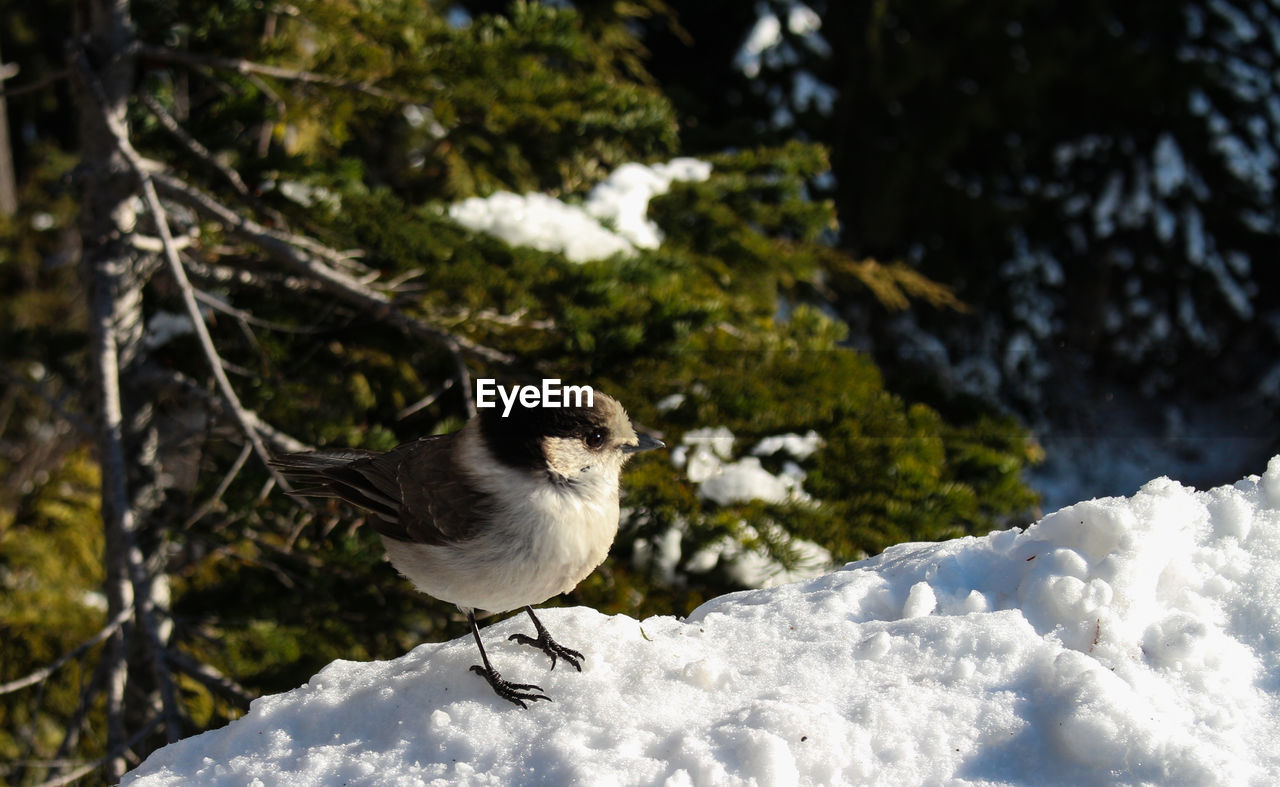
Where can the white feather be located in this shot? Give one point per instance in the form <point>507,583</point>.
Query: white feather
<point>544,539</point>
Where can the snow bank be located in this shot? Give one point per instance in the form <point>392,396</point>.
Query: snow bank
<point>1122,639</point>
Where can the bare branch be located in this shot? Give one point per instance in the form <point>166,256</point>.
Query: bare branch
<point>193,145</point>
<point>226,274</point>
<point>248,317</point>
<point>118,751</point>
<point>166,55</point>
<point>212,678</point>
<point>375,302</point>
<point>39,84</point>
<point>425,402</point>
<point>182,192</point>
<point>216,498</point>
<point>278,439</point>
<point>264,129</point>
<point>83,705</point>
<point>514,320</point>
<point>44,672</point>
<point>179,274</point>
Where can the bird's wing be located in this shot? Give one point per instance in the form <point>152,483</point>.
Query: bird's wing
<point>438,502</point>
<point>414,491</point>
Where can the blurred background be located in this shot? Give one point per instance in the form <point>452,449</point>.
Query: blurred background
<point>876,271</point>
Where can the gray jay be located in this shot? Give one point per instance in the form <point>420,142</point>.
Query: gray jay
<point>504,513</point>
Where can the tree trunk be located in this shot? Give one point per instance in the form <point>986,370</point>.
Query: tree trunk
<point>113,272</point>
<point>8,181</point>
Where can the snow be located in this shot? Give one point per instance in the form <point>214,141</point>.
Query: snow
<point>766,37</point>
<point>1116,640</point>
<point>164,327</point>
<point>706,456</point>
<point>612,220</point>
<point>704,453</point>
<point>767,49</point>
<point>797,445</point>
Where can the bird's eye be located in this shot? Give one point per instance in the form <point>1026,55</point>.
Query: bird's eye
<point>596,438</point>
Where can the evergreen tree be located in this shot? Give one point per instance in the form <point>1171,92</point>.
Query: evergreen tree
<point>1096,181</point>
<point>264,209</point>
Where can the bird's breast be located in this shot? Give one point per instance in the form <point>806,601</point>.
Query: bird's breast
<point>541,539</point>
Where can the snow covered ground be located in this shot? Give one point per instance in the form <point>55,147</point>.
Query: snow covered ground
<point>1116,640</point>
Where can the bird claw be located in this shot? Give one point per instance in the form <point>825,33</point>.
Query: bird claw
<point>549,646</point>
<point>514,692</point>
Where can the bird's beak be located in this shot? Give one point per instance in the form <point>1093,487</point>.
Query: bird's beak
<point>646,443</point>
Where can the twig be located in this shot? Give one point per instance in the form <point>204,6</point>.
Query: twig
<point>47,670</point>
<point>166,55</point>
<point>284,250</point>
<point>216,497</point>
<point>249,317</point>
<point>425,401</point>
<point>275,242</point>
<point>54,404</point>
<point>90,767</point>
<point>278,439</point>
<point>83,706</point>
<point>269,282</point>
<point>192,144</point>
<point>31,87</point>
<point>264,131</point>
<point>515,319</point>
<point>212,678</point>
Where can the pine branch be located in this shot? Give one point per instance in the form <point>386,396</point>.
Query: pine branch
<point>241,66</point>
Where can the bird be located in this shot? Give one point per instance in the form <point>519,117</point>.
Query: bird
<point>502,514</point>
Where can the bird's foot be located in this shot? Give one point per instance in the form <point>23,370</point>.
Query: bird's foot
<point>549,646</point>
<point>515,692</point>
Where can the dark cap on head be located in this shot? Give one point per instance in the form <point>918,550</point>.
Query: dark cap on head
<point>516,440</point>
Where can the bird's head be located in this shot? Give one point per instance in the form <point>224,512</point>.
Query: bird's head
<point>571,444</point>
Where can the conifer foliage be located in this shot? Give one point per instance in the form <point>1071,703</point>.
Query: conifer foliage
<point>248,248</point>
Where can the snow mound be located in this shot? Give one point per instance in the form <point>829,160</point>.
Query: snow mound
<point>1121,639</point>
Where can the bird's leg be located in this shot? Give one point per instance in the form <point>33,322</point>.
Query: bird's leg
<point>547,645</point>
<point>515,692</point>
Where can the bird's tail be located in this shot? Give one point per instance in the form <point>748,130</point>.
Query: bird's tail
<point>311,472</point>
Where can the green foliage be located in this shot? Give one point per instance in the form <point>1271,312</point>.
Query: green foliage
<point>50,601</point>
